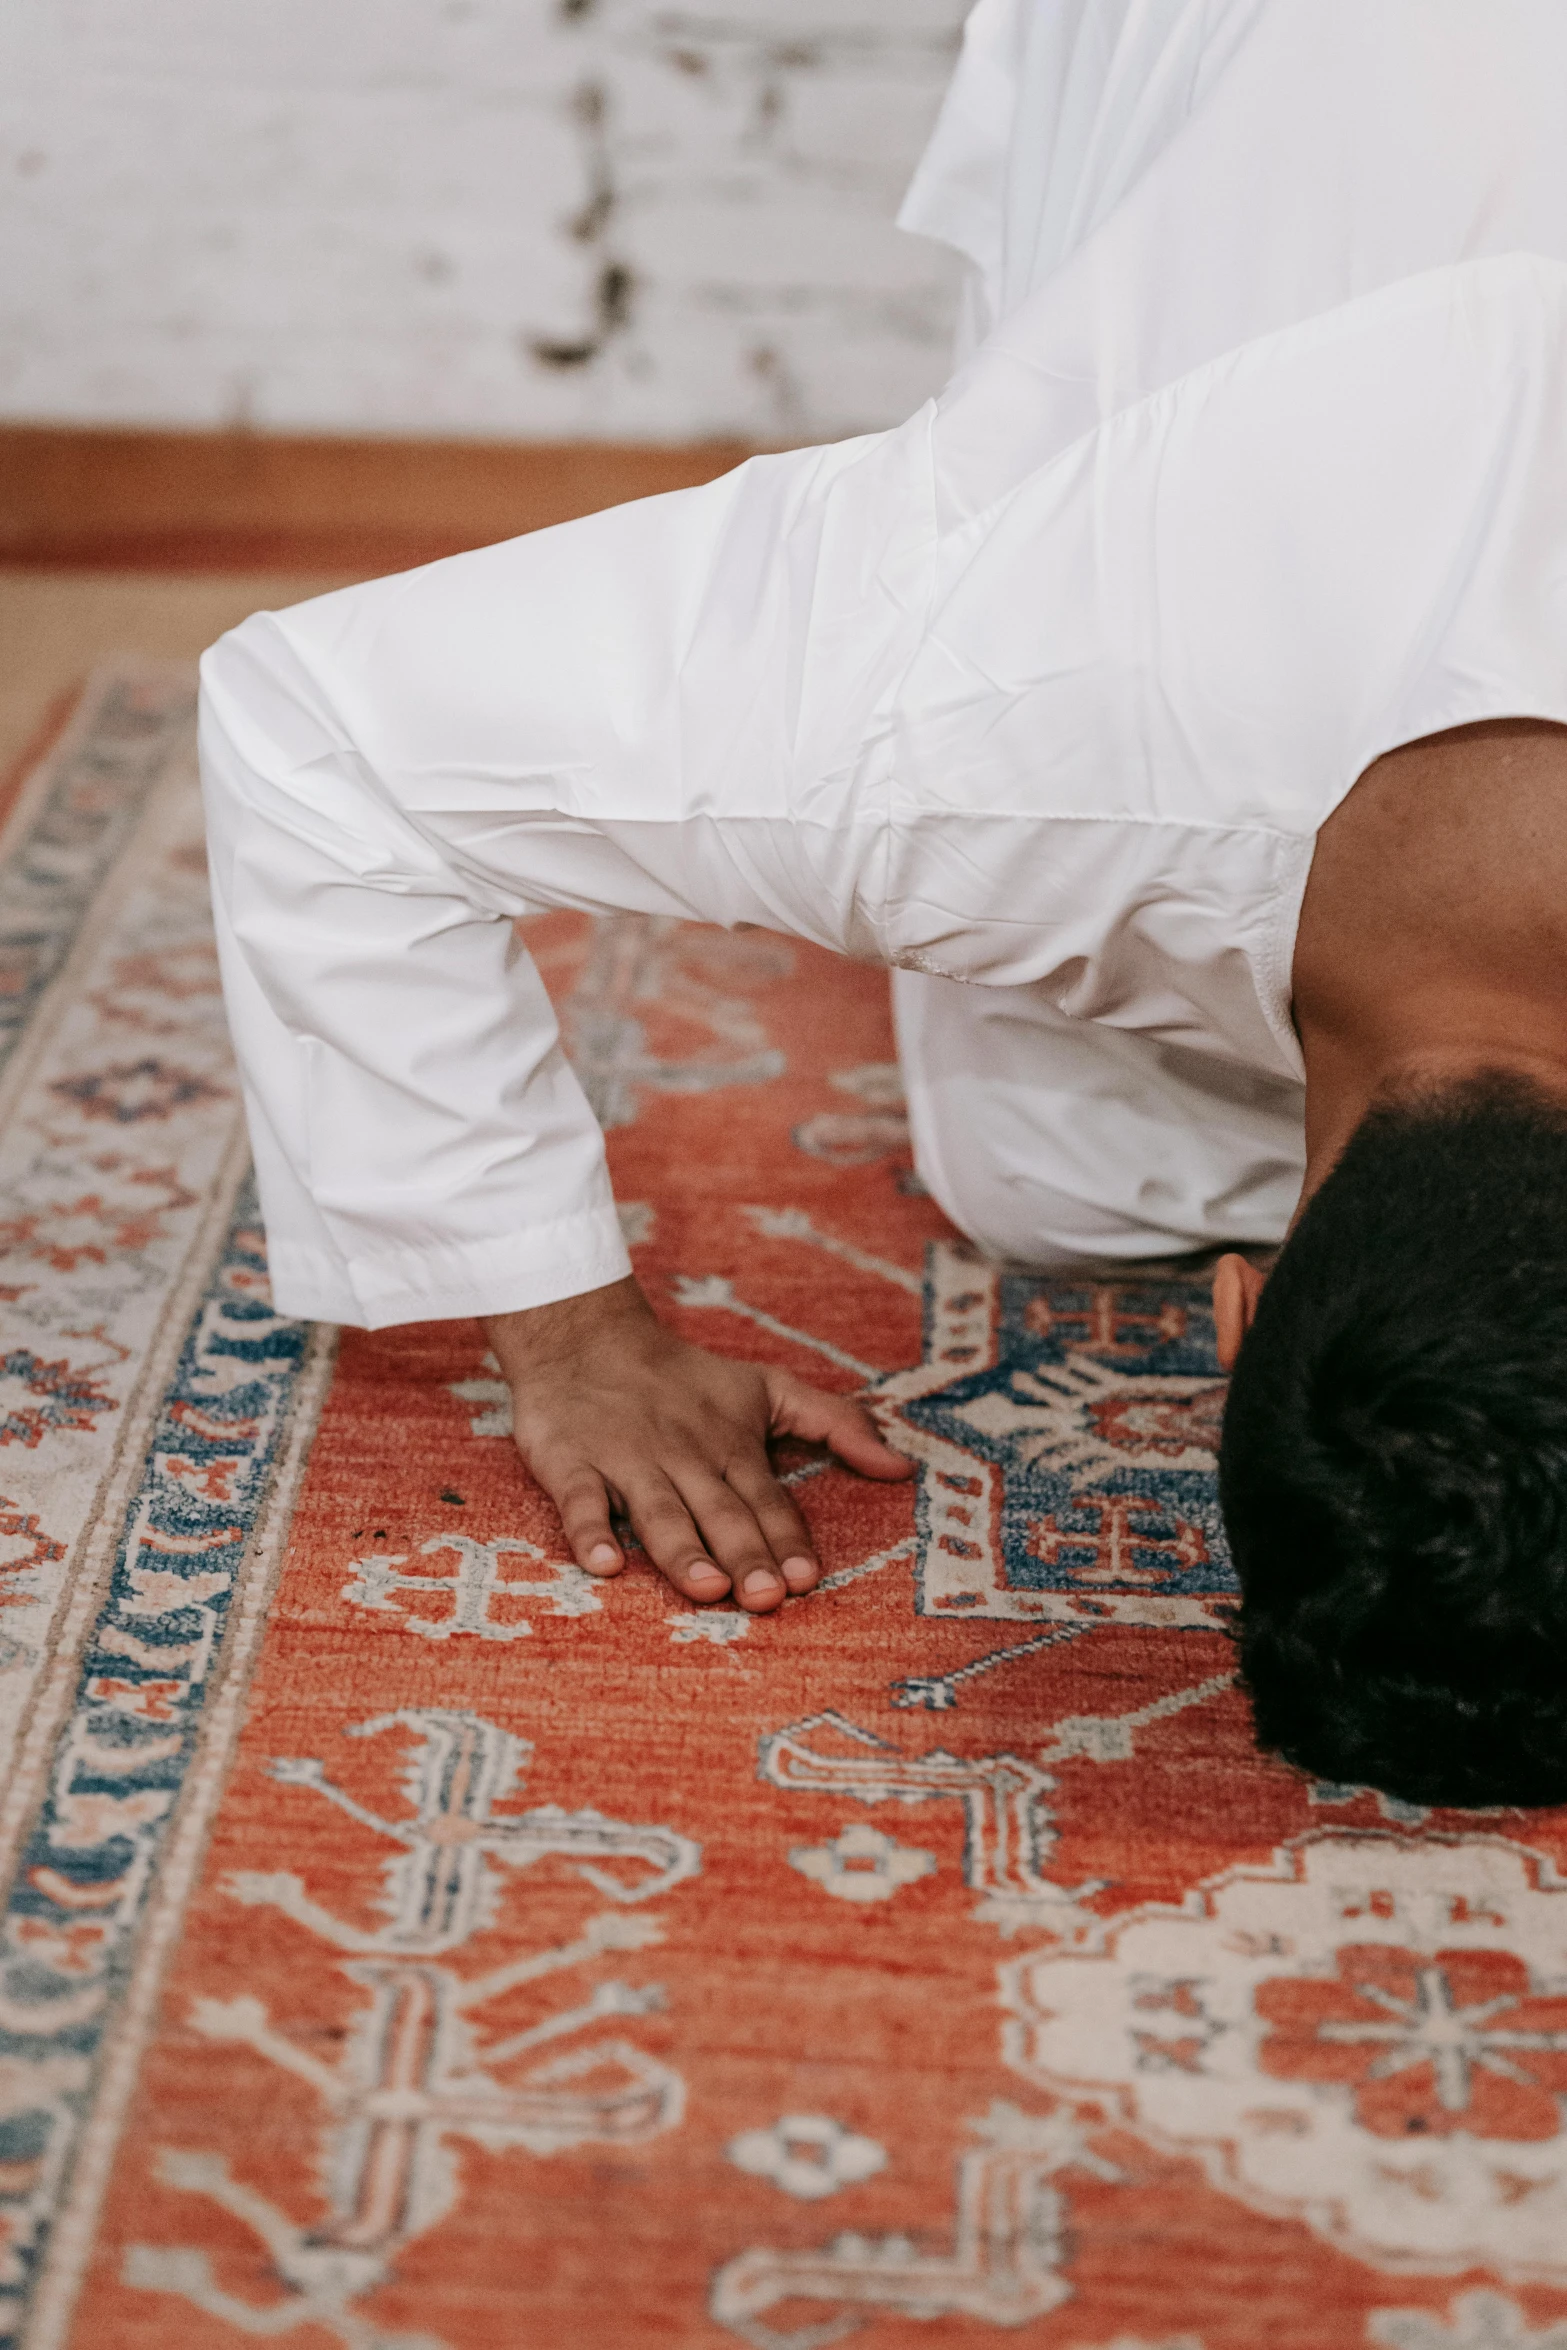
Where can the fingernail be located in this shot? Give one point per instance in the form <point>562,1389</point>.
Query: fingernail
<point>603,1554</point>
<point>706,1578</point>
<point>759,1584</point>
<point>798,1572</point>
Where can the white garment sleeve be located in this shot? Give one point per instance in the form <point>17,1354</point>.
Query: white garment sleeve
<point>422,1148</point>
<point>658,709</point>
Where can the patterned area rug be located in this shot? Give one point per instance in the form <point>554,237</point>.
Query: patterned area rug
<point>413,1945</point>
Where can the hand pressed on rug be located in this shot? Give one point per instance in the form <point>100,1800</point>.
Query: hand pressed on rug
<point>615,1415</point>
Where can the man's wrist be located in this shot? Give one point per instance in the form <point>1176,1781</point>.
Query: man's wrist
<point>533,1337</point>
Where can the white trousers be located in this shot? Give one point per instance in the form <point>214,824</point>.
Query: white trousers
<point>1049,1140</point>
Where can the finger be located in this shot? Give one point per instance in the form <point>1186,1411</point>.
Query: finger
<point>668,1533</point>
<point>836,1420</point>
<point>732,1535</point>
<point>783,1529</point>
<point>579,1494</point>
<point>1237,1287</point>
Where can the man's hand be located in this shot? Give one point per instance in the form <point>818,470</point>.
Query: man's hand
<point>613,1412</point>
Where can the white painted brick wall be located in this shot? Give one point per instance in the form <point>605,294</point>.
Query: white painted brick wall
<point>607,218</point>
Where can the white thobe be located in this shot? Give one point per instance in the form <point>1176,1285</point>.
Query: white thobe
<point>1257,469</point>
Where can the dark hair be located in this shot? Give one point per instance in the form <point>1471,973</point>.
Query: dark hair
<point>1394,1461</point>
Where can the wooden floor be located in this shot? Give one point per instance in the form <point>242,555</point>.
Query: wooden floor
<point>141,542</point>
<point>245,502</point>
<point>54,625</point>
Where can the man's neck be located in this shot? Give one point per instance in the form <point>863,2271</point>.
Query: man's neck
<point>1341,1088</point>
<point>1433,937</point>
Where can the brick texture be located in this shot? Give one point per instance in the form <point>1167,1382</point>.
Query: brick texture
<point>557,218</point>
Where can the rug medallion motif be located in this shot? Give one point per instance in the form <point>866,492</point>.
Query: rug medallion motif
<point>413,1944</point>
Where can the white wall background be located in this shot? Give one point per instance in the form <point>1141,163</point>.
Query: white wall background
<point>520,218</point>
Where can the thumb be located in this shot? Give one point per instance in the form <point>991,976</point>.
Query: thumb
<point>836,1420</point>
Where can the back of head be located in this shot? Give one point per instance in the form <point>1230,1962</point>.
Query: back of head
<point>1394,1462</point>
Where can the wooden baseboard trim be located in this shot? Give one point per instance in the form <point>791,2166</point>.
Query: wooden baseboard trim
<point>91,499</point>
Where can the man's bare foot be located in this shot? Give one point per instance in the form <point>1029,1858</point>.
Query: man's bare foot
<point>615,1415</point>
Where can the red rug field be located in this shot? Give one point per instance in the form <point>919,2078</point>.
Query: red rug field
<point>414,1945</point>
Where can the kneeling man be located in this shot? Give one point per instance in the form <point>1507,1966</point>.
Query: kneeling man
<point>1177,703</point>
